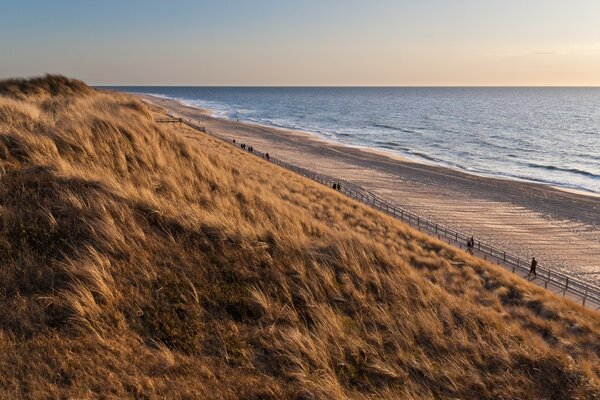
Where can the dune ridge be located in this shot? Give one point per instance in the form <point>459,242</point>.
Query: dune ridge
<point>147,261</point>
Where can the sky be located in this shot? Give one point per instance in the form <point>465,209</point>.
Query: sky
<point>308,42</point>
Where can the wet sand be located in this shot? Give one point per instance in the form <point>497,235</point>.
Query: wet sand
<point>561,228</point>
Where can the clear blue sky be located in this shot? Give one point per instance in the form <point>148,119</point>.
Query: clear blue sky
<point>285,42</point>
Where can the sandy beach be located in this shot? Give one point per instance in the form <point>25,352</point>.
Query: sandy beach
<point>561,228</point>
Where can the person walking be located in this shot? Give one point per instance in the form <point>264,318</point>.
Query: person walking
<point>532,268</point>
<point>470,245</point>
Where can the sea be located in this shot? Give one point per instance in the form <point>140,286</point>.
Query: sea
<point>545,135</point>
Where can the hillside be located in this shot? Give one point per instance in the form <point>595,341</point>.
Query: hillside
<point>141,260</point>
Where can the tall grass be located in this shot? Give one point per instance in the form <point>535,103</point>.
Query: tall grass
<point>147,261</point>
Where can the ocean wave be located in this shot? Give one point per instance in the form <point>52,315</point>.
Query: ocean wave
<point>544,181</point>
<point>394,128</point>
<point>391,145</point>
<point>563,169</point>
<point>162,96</point>
<point>427,157</point>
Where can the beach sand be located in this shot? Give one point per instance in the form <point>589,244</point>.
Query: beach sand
<point>560,228</point>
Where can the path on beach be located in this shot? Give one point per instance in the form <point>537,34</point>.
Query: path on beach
<point>561,229</point>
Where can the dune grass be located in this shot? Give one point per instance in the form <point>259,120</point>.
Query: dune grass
<point>147,261</point>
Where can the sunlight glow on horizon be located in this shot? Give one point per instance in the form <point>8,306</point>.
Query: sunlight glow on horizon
<point>316,43</point>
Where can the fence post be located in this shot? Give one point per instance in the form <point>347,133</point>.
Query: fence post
<point>566,287</point>
<point>585,295</point>
<point>505,258</point>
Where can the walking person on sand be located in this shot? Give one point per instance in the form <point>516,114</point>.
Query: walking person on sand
<point>532,268</point>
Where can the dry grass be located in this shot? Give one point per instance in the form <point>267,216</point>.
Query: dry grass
<point>146,261</point>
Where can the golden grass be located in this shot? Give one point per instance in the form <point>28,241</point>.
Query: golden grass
<point>147,261</point>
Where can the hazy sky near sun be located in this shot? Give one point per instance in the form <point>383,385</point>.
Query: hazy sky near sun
<point>309,42</point>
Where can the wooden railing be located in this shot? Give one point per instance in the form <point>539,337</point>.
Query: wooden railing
<point>169,120</point>
<point>577,289</point>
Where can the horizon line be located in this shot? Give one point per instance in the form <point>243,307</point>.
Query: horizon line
<point>353,86</point>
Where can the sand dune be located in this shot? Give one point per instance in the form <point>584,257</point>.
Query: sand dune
<point>147,260</point>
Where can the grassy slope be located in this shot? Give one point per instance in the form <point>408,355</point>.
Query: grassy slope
<point>139,260</point>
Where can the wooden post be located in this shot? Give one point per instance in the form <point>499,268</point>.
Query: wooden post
<point>585,295</point>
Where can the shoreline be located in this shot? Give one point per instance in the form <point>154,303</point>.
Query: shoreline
<point>560,227</point>
<point>377,151</point>
<point>393,154</point>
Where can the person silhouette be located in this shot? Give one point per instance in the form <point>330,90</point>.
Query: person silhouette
<point>532,268</point>
<point>470,245</point>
